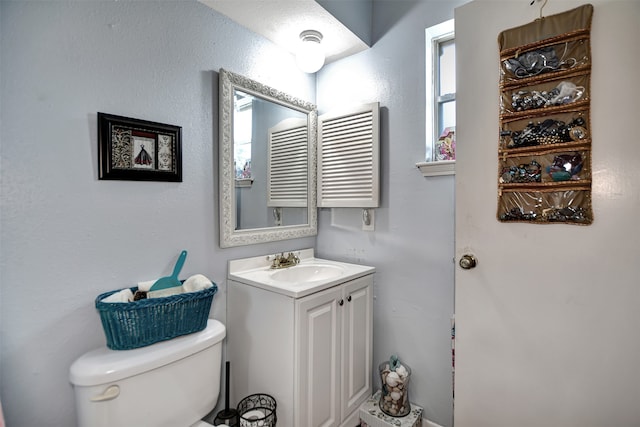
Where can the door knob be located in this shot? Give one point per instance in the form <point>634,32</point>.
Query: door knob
<point>468,261</point>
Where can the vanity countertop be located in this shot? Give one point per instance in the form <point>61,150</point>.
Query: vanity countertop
<point>309,276</point>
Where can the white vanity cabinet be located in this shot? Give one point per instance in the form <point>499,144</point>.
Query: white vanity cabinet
<point>312,354</point>
<point>333,340</point>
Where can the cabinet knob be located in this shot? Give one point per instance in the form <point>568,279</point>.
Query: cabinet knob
<point>341,302</point>
<point>349,298</point>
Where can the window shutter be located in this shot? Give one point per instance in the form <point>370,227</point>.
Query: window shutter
<point>348,158</point>
<point>287,183</point>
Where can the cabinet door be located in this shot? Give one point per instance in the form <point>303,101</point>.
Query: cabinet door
<point>357,323</point>
<point>318,341</point>
<point>349,140</point>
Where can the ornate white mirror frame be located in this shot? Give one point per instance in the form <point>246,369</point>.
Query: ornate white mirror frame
<point>229,235</point>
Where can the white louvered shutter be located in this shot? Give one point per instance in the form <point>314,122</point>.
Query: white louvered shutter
<point>348,158</point>
<point>287,183</point>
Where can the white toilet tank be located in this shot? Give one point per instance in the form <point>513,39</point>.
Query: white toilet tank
<point>171,383</point>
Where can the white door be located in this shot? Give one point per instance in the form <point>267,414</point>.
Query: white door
<point>547,322</point>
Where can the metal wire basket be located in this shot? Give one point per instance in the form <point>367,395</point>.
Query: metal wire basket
<point>257,410</point>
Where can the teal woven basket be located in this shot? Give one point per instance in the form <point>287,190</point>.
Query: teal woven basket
<point>148,321</point>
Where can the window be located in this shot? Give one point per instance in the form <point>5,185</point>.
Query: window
<point>444,96</point>
<point>440,100</point>
<point>242,131</point>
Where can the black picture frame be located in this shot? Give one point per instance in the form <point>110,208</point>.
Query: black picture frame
<point>138,150</point>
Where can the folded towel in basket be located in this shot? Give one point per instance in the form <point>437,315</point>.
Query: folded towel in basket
<point>146,285</point>
<point>124,295</point>
<point>197,282</point>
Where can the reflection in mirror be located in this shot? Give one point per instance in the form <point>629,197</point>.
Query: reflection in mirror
<point>267,163</point>
<point>242,135</point>
<point>276,136</point>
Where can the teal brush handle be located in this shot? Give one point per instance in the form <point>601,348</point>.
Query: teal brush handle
<point>179,264</point>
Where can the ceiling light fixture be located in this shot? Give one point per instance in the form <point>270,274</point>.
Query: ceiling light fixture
<point>310,56</point>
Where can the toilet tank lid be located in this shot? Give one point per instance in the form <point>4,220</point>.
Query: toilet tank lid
<point>103,365</point>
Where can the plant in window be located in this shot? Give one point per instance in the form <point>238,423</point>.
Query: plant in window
<point>446,145</point>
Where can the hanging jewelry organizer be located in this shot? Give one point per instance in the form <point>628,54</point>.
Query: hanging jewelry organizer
<point>544,153</point>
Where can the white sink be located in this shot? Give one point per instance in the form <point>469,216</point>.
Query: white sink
<point>309,276</point>
<point>304,273</point>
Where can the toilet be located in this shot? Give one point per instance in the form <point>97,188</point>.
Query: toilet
<point>172,383</point>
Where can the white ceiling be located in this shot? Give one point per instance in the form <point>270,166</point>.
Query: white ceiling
<point>282,21</point>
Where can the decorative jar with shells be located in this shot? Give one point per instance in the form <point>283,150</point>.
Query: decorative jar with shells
<point>394,399</point>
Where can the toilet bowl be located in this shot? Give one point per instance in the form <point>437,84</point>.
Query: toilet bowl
<point>173,383</point>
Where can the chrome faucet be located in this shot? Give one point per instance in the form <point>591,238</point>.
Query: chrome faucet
<point>282,261</point>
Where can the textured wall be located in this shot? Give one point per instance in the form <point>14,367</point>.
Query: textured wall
<point>412,246</point>
<point>66,236</point>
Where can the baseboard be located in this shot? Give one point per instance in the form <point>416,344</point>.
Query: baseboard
<point>427,423</point>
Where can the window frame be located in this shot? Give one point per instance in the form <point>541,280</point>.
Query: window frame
<point>434,36</point>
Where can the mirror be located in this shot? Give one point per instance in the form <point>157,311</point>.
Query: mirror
<point>267,163</point>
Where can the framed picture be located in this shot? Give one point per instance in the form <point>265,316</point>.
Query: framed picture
<point>138,150</point>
